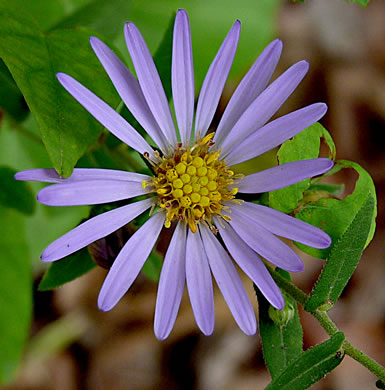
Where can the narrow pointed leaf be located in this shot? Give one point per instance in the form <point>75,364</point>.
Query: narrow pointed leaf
<point>282,342</point>
<point>343,259</point>
<point>66,270</point>
<point>311,366</point>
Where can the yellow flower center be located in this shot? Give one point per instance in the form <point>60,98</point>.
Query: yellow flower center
<point>192,184</point>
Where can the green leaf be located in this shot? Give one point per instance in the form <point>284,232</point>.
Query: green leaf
<point>15,292</point>
<point>362,3</point>
<point>105,17</point>
<point>34,58</point>
<point>11,99</point>
<point>334,216</point>
<point>311,366</point>
<point>46,13</point>
<point>66,269</point>
<point>281,340</point>
<point>343,259</point>
<point>304,146</point>
<point>15,194</point>
<point>23,148</point>
<point>153,266</point>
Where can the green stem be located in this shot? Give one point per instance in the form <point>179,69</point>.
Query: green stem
<point>330,327</point>
<point>365,360</point>
<point>287,286</point>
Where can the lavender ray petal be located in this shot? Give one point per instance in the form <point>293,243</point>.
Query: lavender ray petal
<point>265,243</point>
<point>108,117</point>
<point>265,106</point>
<point>283,175</point>
<point>199,283</point>
<point>149,81</point>
<point>93,229</point>
<point>229,282</point>
<point>171,284</point>
<point>129,262</point>
<point>182,76</point>
<point>89,192</point>
<point>49,175</point>
<point>275,133</point>
<point>129,90</point>
<point>215,80</point>
<point>284,225</point>
<point>251,264</point>
<point>250,87</point>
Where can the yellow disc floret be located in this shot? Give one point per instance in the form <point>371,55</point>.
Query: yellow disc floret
<point>193,184</point>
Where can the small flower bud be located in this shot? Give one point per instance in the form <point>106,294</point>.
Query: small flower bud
<point>282,317</point>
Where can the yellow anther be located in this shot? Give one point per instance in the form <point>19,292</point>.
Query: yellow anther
<point>178,193</point>
<point>212,185</point>
<point>145,184</point>
<point>204,191</point>
<point>177,183</point>
<point>191,170</point>
<point>195,198</point>
<point>196,187</point>
<point>185,201</point>
<point>171,174</point>
<point>181,168</point>
<point>185,178</point>
<point>203,180</point>
<point>212,157</point>
<point>197,162</point>
<point>167,223</point>
<point>206,139</point>
<point>205,201</point>
<point>161,191</point>
<point>234,191</point>
<point>187,189</point>
<point>202,171</point>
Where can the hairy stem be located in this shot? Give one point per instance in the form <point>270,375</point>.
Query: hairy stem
<point>330,327</point>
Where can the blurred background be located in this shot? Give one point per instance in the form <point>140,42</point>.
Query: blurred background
<point>74,346</point>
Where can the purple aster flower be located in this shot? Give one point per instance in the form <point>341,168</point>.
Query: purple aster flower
<point>193,187</point>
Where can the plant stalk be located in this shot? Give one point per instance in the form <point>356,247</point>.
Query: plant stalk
<point>330,327</point>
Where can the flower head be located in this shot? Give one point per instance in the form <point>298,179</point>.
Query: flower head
<point>193,186</point>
